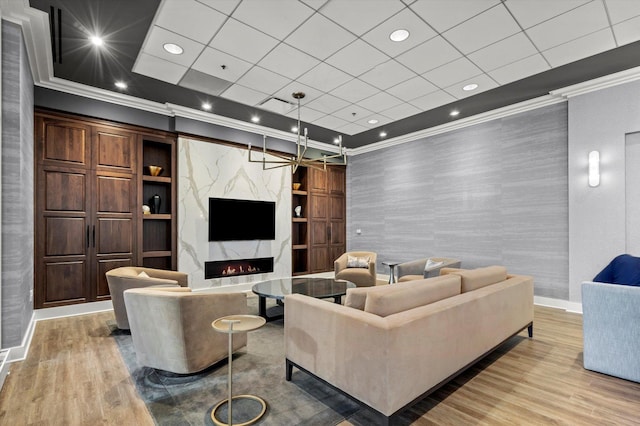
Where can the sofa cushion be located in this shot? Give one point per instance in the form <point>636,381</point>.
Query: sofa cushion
<point>404,296</point>
<point>406,278</point>
<point>473,279</point>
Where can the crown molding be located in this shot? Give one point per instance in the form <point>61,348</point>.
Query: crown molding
<point>622,77</point>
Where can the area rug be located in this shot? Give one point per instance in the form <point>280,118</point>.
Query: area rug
<point>258,369</point>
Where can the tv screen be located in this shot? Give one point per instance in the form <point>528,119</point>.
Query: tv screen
<point>232,220</point>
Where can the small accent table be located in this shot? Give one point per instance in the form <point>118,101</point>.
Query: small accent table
<point>232,324</point>
<point>392,268</point>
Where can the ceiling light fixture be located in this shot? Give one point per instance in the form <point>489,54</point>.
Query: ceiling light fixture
<point>399,35</point>
<point>255,119</point>
<point>173,48</point>
<point>373,121</point>
<point>454,113</point>
<point>283,160</point>
<point>121,85</point>
<point>294,129</point>
<point>97,41</point>
<point>383,134</point>
<point>468,87</point>
<point>206,106</point>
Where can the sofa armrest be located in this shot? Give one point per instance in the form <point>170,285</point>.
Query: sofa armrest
<point>415,267</point>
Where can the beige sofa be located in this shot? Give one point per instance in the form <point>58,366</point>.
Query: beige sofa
<point>390,346</point>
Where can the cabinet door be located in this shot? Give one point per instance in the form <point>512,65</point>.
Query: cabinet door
<point>337,179</point>
<point>62,142</point>
<point>317,180</point>
<point>114,149</point>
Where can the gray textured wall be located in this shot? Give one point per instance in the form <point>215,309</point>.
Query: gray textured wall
<point>493,193</point>
<point>17,187</point>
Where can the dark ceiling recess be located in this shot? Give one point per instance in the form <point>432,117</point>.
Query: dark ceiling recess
<point>55,25</point>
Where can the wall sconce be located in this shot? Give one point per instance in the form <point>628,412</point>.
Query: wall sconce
<point>594,168</point>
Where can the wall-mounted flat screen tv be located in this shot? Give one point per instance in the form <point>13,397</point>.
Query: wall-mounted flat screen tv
<point>234,220</point>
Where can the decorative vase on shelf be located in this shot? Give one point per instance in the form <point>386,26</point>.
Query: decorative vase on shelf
<point>155,202</point>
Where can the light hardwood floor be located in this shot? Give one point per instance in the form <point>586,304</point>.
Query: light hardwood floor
<point>74,375</point>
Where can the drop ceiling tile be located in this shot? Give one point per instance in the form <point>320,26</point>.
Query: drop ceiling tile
<point>532,12</point>
<point>382,120</point>
<point>158,68</point>
<point>211,61</point>
<point>158,37</point>
<point>351,129</point>
<point>419,32</point>
<point>330,122</point>
<point>520,69</point>
<point>357,58</point>
<point>307,115</point>
<point>568,26</point>
<point>242,41</point>
<point>205,83</point>
<point>444,14</point>
<point>379,102</point>
<point>627,31</point>
<point>314,4</point>
<point>401,111</point>
<point>622,10</point>
<point>354,91</point>
<point>580,48</point>
<point>483,81</point>
<point>357,19</point>
<point>320,37</point>
<point>325,77</point>
<point>287,61</point>
<point>190,19</point>
<point>412,88</point>
<point>453,72</point>
<point>328,104</point>
<point>277,21</point>
<point>432,100</point>
<point>429,55</point>
<point>387,74</point>
<point>482,30</point>
<point>509,50</point>
<point>244,95</point>
<point>263,80</point>
<point>286,93</point>
<point>352,113</point>
<point>224,6</point>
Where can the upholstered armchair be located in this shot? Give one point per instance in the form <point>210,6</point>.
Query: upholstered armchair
<point>418,269</point>
<point>126,277</point>
<point>362,273</point>
<point>171,327</point>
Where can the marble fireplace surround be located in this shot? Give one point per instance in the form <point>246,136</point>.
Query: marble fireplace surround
<point>208,169</point>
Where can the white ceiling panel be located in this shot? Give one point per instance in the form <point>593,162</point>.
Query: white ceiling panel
<point>488,27</point>
<point>308,115</point>
<point>627,31</point>
<point>419,32</point>
<point>351,129</point>
<point>429,55</point>
<point>325,77</point>
<point>287,61</point>
<point>401,111</point>
<point>263,80</point>
<point>328,104</point>
<point>453,72</point>
<point>520,69</point>
<point>433,100</point>
<point>244,95</point>
<point>224,6</point>
<point>357,58</point>
<point>352,113</point>
<point>221,64</point>
<point>622,10</point>
<point>483,81</point>
<point>242,41</point>
<point>381,121</point>
<point>314,4</point>
<point>320,37</point>
<point>579,48</point>
<point>158,37</point>
<point>411,89</point>
<point>159,69</point>
<point>286,93</point>
<point>387,74</point>
<point>352,16</point>
<point>569,26</point>
<point>354,91</point>
<point>190,19</point>
<point>379,102</point>
<point>277,21</point>
<point>445,14</point>
<point>330,122</point>
<point>511,49</point>
<point>532,12</point>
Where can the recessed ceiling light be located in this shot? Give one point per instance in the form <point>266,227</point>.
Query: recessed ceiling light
<point>121,85</point>
<point>454,113</point>
<point>469,87</point>
<point>337,140</point>
<point>294,129</point>
<point>206,106</point>
<point>172,48</point>
<point>97,41</point>
<point>255,119</point>
<point>383,134</point>
<point>399,35</point>
<point>373,121</point>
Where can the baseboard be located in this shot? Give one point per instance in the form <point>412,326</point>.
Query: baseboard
<point>575,307</point>
<point>72,310</point>
<point>4,366</point>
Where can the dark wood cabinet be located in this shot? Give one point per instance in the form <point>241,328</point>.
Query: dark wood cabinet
<point>325,227</point>
<point>87,207</point>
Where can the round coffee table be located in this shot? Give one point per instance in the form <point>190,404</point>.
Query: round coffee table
<point>321,288</point>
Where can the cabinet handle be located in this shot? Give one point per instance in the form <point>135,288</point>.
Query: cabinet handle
<point>88,241</point>
<point>94,236</point>
<point>329,233</point>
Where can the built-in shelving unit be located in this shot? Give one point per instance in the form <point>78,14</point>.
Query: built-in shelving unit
<point>299,225</point>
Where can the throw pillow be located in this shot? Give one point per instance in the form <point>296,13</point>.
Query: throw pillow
<point>431,264</point>
<point>357,262</point>
<point>143,274</point>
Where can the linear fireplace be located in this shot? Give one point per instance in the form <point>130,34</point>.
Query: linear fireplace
<point>234,268</point>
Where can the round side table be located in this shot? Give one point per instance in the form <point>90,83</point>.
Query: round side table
<point>231,325</point>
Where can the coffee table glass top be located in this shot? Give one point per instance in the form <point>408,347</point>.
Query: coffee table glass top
<point>314,287</point>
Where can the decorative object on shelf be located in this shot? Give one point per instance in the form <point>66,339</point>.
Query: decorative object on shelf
<point>155,201</point>
<point>146,209</point>
<point>298,211</point>
<point>154,170</point>
<point>296,186</point>
<point>284,160</point>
